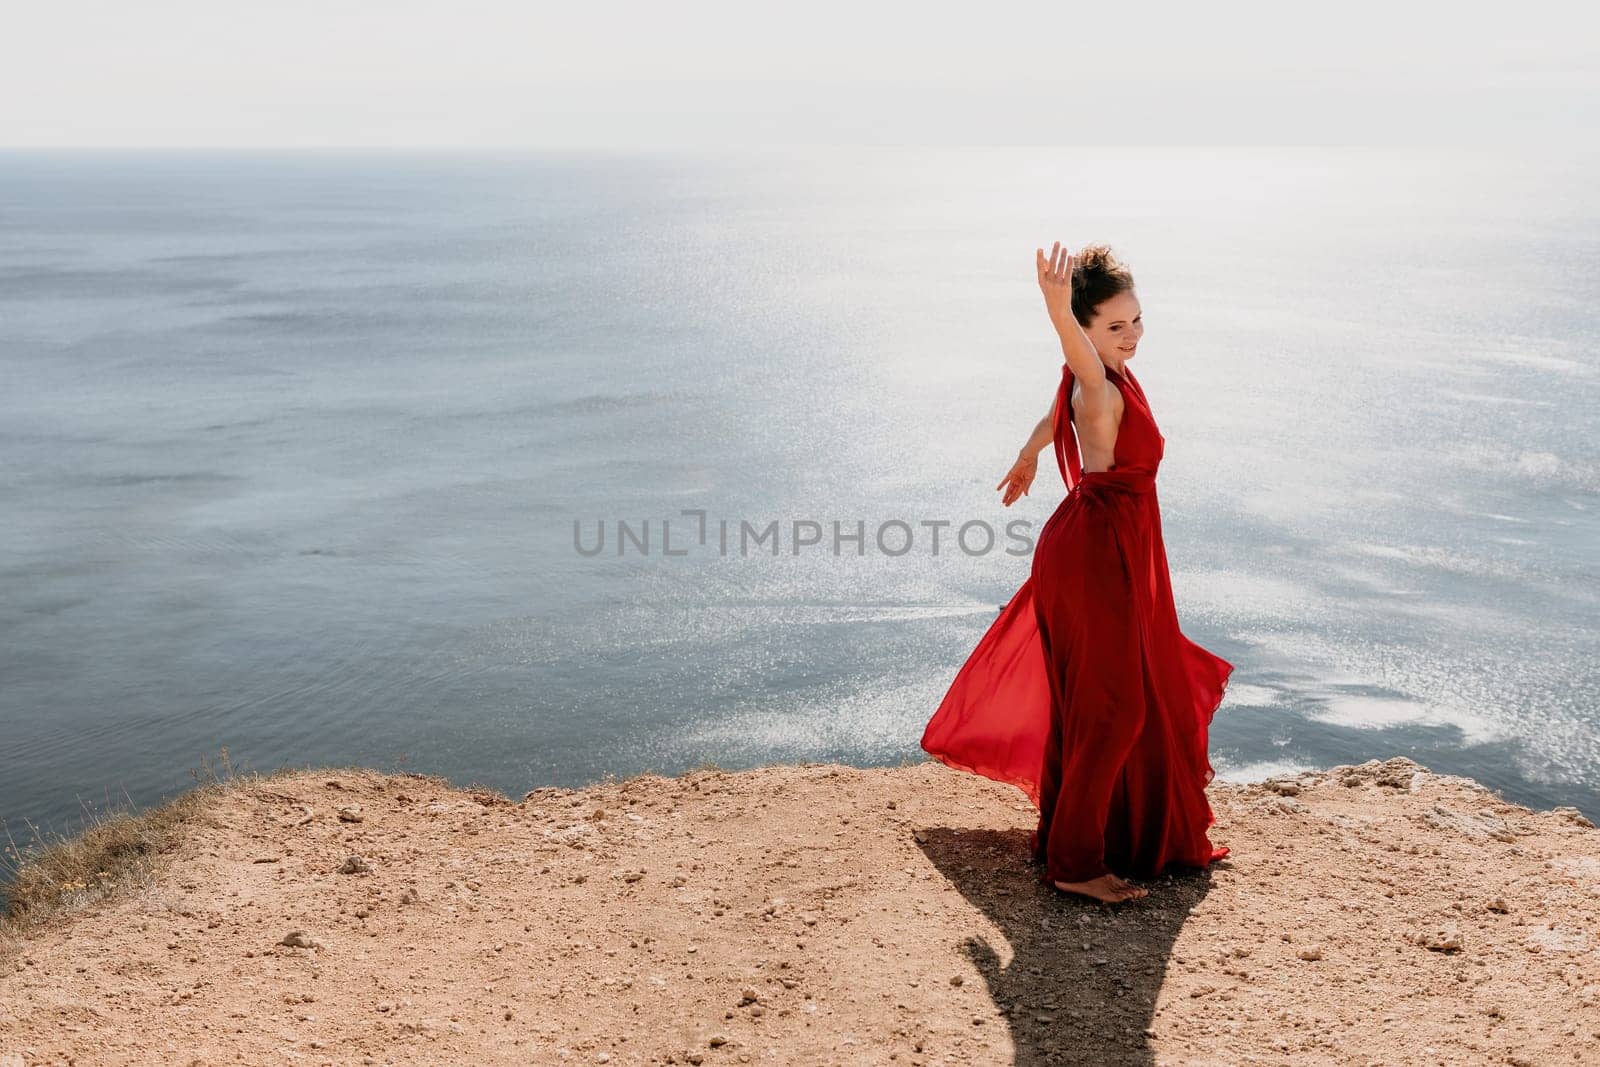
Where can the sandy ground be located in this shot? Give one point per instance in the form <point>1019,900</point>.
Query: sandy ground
<point>820,914</point>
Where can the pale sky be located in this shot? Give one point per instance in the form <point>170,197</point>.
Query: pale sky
<point>484,73</point>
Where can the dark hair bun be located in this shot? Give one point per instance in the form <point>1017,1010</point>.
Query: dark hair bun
<point>1097,276</point>
<point>1096,258</point>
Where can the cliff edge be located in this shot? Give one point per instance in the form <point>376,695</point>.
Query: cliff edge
<point>815,914</point>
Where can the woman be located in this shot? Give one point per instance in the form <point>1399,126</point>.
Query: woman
<point>1084,693</point>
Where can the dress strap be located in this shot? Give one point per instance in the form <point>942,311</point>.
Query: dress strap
<point>1066,442</point>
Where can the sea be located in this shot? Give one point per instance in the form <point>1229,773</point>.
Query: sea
<point>535,468</point>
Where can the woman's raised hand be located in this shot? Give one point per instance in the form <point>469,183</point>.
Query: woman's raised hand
<point>1055,281</point>
<point>1018,478</point>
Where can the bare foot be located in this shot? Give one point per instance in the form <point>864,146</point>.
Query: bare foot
<point>1128,887</point>
<point>1104,888</point>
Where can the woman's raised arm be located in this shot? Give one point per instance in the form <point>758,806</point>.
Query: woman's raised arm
<point>1055,281</point>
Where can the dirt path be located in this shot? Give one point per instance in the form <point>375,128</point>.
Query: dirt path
<point>819,914</point>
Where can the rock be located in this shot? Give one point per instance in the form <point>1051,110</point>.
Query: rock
<point>1396,773</point>
<point>298,939</point>
<point>1313,952</point>
<point>355,865</point>
<point>1443,938</point>
<point>1572,815</point>
<point>956,979</point>
<point>716,1041</point>
<point>1485,824</point>
<point>1288,805</point>
<point>1282,786</point>
<point>351,813</point>
<point>1497,904</point>
<point>1557,939</point>
<point>410,896</point>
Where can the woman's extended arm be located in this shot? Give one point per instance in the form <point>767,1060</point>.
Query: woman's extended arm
<point>1042,434</point>
<point>1020,477</point>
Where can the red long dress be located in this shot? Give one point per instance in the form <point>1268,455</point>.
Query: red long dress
<point>1084,693</point>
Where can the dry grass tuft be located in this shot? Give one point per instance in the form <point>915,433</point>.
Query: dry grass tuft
<point>120,850</point>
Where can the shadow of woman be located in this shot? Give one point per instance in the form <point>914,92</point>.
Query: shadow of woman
<point>1082,980</point>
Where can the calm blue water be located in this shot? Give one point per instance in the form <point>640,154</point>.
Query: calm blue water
<point>292,449</point>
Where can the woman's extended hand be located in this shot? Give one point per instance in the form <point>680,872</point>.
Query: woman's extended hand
<point>1055,281</point>
<point>1018,478</point>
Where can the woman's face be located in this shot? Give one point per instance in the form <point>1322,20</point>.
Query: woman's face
<point>1116,328</point>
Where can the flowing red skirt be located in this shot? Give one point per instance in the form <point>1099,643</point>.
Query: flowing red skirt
<point>1085,694</point>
